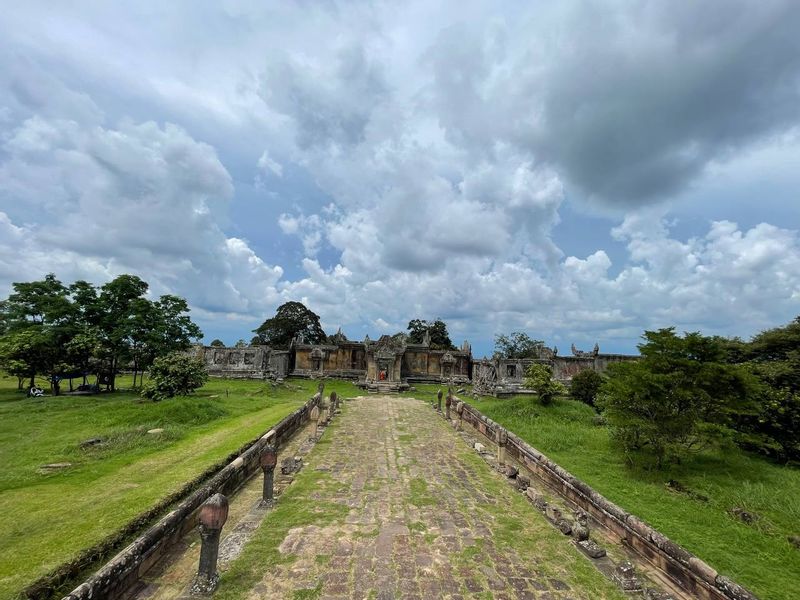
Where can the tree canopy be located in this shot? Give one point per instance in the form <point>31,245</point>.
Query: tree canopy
<point>436,329</point>
<point>676,397</point>
<point>51,330</point>
<point>517,345</point>
<point>291,320</point>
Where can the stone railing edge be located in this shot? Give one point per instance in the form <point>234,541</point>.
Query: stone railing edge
<point>132,562</point>
<point>688,571</point>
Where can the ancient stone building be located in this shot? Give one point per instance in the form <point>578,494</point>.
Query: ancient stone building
<point>389,362</point>
<point>506,376</point>
<point>250,362</point>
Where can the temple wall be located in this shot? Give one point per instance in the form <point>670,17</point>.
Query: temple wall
<point>248,362</point>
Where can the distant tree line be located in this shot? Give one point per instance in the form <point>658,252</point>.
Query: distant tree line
<point>57,331</point>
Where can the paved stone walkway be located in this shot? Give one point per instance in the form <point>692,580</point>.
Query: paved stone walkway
<point>405,509</point>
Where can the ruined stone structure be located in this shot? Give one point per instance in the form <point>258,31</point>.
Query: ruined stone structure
<point>506,376</point>
<point>392,363</point>
<point>250,362</point>
<point>389,363</point>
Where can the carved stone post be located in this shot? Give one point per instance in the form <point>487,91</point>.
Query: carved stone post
<point>439,400</point>
<point>460,413</point>
<point>213,515</point>
<point>335,401</point>
<point>332,408</point>
<point>447,403</point>
<point>502,438</point>
<point>268,459</point>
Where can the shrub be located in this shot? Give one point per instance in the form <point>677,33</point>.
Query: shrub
<point>175,374</point>
<point>676,398</point>
<point>585,386</point>
<point>539,378</point>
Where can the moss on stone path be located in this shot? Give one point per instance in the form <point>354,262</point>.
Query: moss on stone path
<point>392,503</point>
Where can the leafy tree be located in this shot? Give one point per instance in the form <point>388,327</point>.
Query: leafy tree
<point>116,317</point>
<point>217,343</point>
<point>675,398</point>
<point>39,321</point>
<point>174,374</point>
<point>585,386</point>
<point>780,420</point>
<point>437,330</point>
<point>240,344</point>
<point>539,378</point>
<point>255,341</point>
<point>517,345</point>
<point>290,320</point>
<point>777,343</point>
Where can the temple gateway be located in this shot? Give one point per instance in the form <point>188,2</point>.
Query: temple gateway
<point>392,363</point>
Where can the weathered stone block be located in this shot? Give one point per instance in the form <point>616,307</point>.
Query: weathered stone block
<point>523,482</point>
<point>703,570</point>
<point>511,471</point>
<point>553,513</point>
<point>625,576</point>
<point>591,549</point>
<point>733,589</point>
<point>480,447</point>
<point>564,526</point>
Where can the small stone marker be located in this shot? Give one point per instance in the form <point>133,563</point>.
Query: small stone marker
<point>268,460</point>
<point>155,431</point>
<point>447,403</point>
<point>580,530</point>
<point>480,448</point>
<point>439,400</point>
<point>625,576</point>
<point>314,413</point>
<point>502,438</point>
<point>213,515</point>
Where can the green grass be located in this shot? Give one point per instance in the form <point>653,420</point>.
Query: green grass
<point>51,518</point>
<point>757,556</point>
<point>294,509</point>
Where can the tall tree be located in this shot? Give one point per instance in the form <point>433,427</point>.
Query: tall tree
<point>436,329</point>
<point>117,305</point>
<point>39,322</point>
<point>674,398</point>
<point>290,320</point>
<point>517,345</point>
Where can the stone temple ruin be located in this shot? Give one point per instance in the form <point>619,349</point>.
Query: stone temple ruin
<point>506,376</point>
<point>392,363</point>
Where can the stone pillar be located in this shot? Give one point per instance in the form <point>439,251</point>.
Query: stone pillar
<point>447,403</point>
<point>502,438</point>
<point>213,515</point>
<point>439,400</point>
<point>335,401</point>
<point>268,459</point>
<point>332,407</point>
<point>460,413</point>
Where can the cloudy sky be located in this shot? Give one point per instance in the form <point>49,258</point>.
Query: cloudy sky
<point>578,170</point>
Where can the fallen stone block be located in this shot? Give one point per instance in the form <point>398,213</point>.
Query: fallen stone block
<point>523,482</point>
<point>625,577</point>
<point>564,526</point>
<point>291,465</point>
<point>591,549</point>
<point>511,471</point>
<point>480,447</point>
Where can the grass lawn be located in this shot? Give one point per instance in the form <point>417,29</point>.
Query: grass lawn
<point>758,556</point>
<point>50,518</point>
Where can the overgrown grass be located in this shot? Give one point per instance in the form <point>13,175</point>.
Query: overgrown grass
<point>758,555</point>
<point>51,518</point>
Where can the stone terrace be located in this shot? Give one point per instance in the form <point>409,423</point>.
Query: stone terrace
<point>394,504</point>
